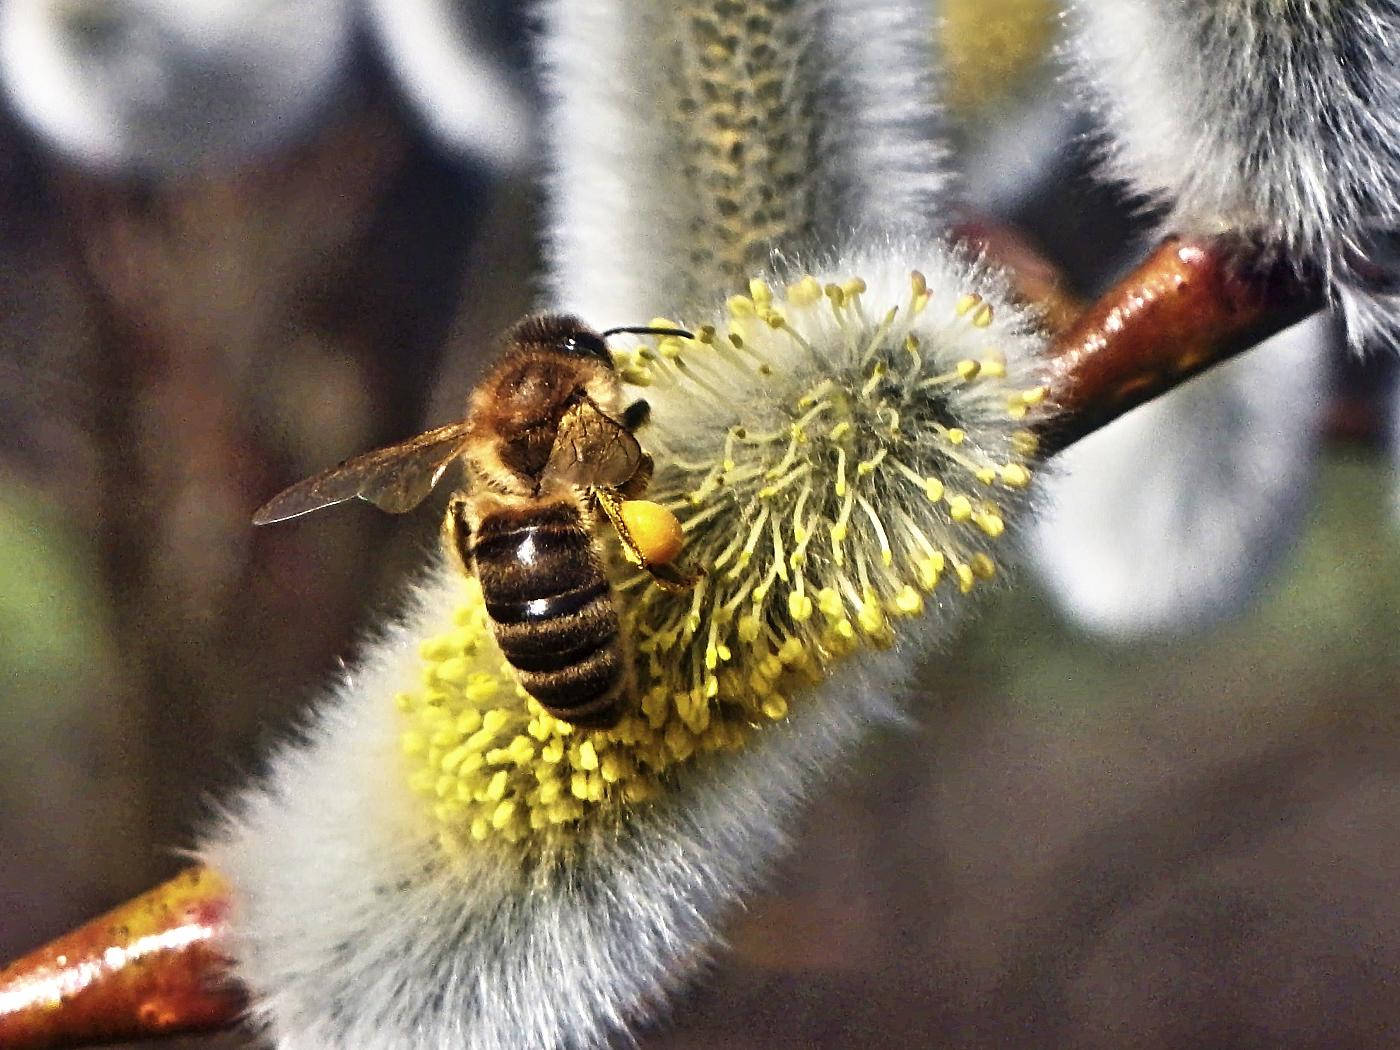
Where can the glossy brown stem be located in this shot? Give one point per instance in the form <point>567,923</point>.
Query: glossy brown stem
<point>150,967</point>
<point>1188,306</point>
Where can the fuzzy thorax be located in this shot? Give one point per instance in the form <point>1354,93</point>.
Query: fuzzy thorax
<point>844,454</point>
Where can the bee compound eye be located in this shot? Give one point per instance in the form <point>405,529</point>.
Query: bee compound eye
<point>586,344</point>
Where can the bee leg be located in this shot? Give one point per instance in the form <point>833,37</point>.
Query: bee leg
<point>673,578</point>
<point>636,414</point>
<point>610,503</point>
<point>457,533</point>
<point>667,577</point>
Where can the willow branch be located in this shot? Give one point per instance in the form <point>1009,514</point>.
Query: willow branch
<point>151,967</point>
<point>155,966</point>
<point>1190,305</point>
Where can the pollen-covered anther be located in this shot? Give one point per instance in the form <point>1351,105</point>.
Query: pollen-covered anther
<point>833,452</point>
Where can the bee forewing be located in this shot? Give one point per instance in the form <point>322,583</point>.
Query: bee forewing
<point>395,479</point>
<point>592,448</point>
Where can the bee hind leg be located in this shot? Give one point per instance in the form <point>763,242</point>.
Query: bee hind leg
<point>673,578</point>
<point>666,576</point>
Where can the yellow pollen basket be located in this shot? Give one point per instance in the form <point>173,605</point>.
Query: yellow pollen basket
<point>829,506</point>
<point>654,529</point>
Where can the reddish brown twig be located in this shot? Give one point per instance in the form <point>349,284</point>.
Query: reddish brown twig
<point>1188,306</point>
<point>150,967</point>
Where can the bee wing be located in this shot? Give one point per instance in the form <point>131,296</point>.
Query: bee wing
<point>592,448</point>
<point>396,479</point>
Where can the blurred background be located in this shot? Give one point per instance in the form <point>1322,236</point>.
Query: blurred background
<point>1190,840</point>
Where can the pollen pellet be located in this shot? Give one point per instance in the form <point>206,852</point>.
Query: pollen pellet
<point>654,529</point>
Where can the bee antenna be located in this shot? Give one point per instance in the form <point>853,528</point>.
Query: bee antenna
<point>647,330</point>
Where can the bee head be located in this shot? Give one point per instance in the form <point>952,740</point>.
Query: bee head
<point>584,343</point>
<point>561,334</point>
<point>569,335</point>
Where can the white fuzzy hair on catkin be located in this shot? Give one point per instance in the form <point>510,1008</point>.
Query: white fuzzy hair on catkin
<point>166,87</point>
<point>353,930</point>
<point>1172,517</point>
<point>1279,119</point>
<point>884,149</point>
<point>691,418</point>
<point>670,184</point>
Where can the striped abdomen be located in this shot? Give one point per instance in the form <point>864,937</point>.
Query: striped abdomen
<point>552,609</point>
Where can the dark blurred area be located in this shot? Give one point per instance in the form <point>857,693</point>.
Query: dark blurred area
<point>1185,843</point>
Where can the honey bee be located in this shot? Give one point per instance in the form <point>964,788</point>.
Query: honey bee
<point>550,453</point>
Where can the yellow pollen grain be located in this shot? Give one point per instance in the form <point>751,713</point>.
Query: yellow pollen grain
<point>929,570</point>
<point>1025,443</point>
<point>909,601</point>
<point>587,756</point>
<point>1015,475</point>
<point>870,617</point>
<point>991,524</point>
<point>805,292</point>
<point>775,708</point>
<point>869,466</point>
<point>966,577</point>
<point>829,602</point>
<point>503,814</point>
